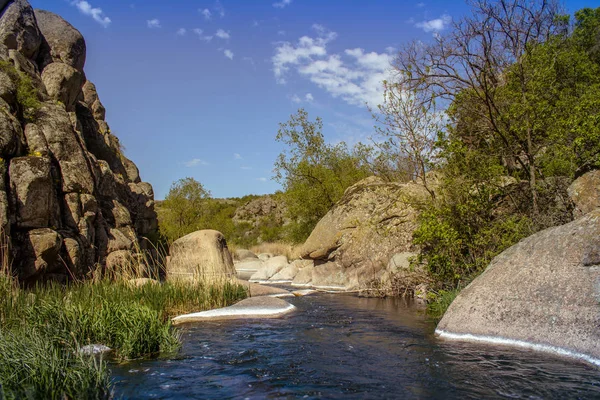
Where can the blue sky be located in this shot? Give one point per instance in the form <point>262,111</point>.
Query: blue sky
<point>197,88</point>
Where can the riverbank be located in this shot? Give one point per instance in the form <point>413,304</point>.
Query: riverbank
<point>43,328</point>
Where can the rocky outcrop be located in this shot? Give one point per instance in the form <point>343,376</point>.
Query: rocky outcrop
<point>542,293</point>
<point>69,198</point>
<point>353,243</point>
<point>585,193</point>
<point>201,254</point>
<point>256,214</point>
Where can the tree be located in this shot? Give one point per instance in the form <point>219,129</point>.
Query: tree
<point>314,174</point>
<point>183,208</point>
<point>409,125</point>
<point>471,61</point>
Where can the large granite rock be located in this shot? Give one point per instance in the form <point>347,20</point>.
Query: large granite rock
<point>354,241</point>
<point>19,29</point>
<point>62,42</point>
<point>69,199</point>
<point>200,255</point>
<point>543,292</point>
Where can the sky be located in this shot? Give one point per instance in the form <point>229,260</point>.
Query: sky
<point>197,88</point>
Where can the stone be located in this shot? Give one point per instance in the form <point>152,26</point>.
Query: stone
<point>303,277</point>
<point>62,82</point>
<point>254,307</point>
<point>256,290</point>
<point>37,253</point>
<point>372,221</point>
<point>243,254</point>
<point>30,69</point>
<point>585,193</point>
<point>246,268</point>
<point>66,147</point>
<point>200,255</point>
<point>264,256</point>
<point>11,135</point>
<point>19,29</point>
<point>269,268</point>
<point>36,141</point>
<point>32,187</point>
<point>63,43</point>
<point>541,293</point>
<point>121,239</point>
<point>119,260</point>
<point>285,275</point>
<point>400,261</point>
<point>74,256</point>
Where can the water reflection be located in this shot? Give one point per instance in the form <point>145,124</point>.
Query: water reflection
<point>339,346</point>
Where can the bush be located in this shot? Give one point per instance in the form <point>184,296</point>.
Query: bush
<point>27,94</point>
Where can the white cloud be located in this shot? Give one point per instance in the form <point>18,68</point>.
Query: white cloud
<point>237,156</point>
<point>355,76</point>
<point>181,32</point>
<point>282,3</point>
<point>435,25</point>
<point>200,33</point>
<point>228,53</point>
<point>295,98</point>
<point>96,13</point>
<point>219,9</point>
<point>195,162</point>
<point>281,33</point>
<point>309,97</point>
<point>255,23</point>
<point>420,5</point>
<point>261,179</point>
<point>221,34</point>
<point>206,13</point>
<point>153,23</point>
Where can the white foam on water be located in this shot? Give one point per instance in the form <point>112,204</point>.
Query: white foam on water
<point>468,337</point>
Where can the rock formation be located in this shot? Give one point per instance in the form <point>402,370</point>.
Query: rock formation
<point>351,247</point>
<point>543,292</point>
<point>69,198</point>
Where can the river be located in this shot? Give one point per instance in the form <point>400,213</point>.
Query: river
<point>340,346</point>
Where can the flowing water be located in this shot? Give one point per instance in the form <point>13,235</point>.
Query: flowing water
<point>341,346</point>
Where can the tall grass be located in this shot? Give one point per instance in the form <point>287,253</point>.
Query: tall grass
<point>42,329</point>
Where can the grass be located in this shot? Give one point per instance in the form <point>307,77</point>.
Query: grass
<point>42,328</point>
<point>439,302</point>
<point>275,248</point>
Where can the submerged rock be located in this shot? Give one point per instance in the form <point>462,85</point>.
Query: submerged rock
<point>254,307</point>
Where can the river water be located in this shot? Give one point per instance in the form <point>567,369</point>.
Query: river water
<point>341,346</point>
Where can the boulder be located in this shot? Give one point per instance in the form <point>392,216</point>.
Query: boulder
<point>256,290</point>
<point>118,261</point>
<point>8,87</point>
<point>541,293</point>
<point>33,192</point>
<point>585,193</point>
<point>264,256</point>
<point>19,29</point>
<point>287,274</point>
<point>243,254</point>
<point>246,268</point>
<point>121,239</point>
<point>200,255</point>
<point>63,43</point>
<point>372,221</point>
<point>62,82</point>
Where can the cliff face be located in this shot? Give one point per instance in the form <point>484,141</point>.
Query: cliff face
<point>69,198</point>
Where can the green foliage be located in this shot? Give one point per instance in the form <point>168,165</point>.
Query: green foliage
<point>183,208</point>
<point>438,302</point>
<point>314,174</point>
<point>27,94</point>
